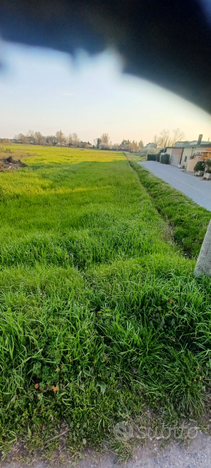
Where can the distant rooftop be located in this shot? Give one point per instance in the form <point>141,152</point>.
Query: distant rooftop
<point>185,144</point>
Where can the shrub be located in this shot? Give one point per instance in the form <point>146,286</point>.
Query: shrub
<point>152,157</point>
<point>164,158</point>
<point>200,166</point>
<point>208,166</point>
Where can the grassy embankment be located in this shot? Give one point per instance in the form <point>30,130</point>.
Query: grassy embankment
<point>100,316</point>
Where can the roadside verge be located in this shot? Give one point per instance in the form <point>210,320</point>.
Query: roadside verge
<point>189,225</point>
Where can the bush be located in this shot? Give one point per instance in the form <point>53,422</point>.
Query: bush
<point>165,158</point>
<point>208,166</point>
<point>152,157</point>
<point>200,166</point>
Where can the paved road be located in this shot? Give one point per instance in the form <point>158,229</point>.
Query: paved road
<point>194,187</point>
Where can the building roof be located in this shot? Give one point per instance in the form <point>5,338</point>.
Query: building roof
<point>192,145</point>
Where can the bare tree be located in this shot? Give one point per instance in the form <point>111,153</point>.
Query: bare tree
<point>178,135</point>
<point>165,139</point>
<point>70,140</point>
<point>31,137</point>
<point>60,137</point>
<point>22,138</point>
<point>125,145</point>
<point>105,139</point>
<point>75,139</point>
<point>133,146</point>
<point>40,139</point>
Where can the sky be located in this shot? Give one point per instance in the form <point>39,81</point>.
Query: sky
<point>44,90</point>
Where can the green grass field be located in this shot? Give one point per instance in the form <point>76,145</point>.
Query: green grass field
<point>100,315</point>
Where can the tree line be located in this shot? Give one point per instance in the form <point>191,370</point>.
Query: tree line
<point>165,138</point>
<point>59,139</point>
<point>72,140</point>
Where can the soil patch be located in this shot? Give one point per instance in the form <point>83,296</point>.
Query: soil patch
<point>10,163</point>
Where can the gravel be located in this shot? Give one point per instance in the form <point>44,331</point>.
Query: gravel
<point>175,455</point>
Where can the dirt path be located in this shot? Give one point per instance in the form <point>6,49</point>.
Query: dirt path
<point>175,455</point>
<point>196,188</point>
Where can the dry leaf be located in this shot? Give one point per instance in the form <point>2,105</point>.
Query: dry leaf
<point>55,388</point>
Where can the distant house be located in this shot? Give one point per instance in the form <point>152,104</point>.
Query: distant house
<point>105,147</point>
<point>150,146</point>
<point>193,154</point>
<point>175,153</point>
<point>187,154</point>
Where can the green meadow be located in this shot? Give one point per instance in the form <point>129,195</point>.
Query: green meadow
<point>100,315</point>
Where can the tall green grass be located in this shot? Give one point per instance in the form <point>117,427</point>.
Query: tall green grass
<point>99,312</point>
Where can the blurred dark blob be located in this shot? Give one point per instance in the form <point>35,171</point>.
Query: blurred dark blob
<point>167,42</point>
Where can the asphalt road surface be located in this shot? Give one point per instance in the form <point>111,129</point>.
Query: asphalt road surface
<point>196,188</point>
